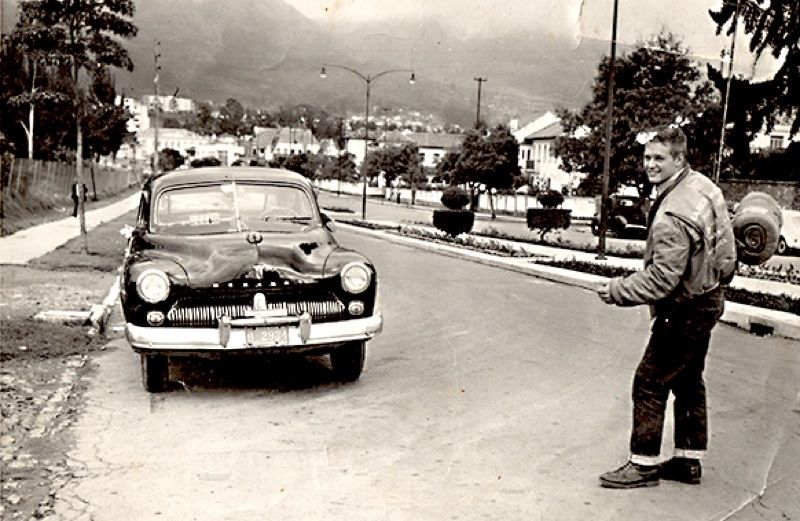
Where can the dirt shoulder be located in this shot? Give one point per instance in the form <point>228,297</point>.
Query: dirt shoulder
<point>45,366</point>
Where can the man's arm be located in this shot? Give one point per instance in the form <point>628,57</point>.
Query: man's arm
<point>673,241</point>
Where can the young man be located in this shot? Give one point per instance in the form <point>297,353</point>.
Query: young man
<point>689,255</point>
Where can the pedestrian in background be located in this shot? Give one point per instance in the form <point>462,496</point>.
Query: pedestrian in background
<point>76,194</point>
<point>689,256</point>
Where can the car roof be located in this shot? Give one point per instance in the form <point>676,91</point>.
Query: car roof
<point>233,173</point>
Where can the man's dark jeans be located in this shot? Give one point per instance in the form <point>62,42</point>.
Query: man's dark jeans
<point>674,361</point>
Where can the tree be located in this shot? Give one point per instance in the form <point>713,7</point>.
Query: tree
<point>655,84</point>
<point>774,26</point>
<point>393,163</point>
<point>231,117</point>
<point>169,159</point>
<point>83,33</point>
<point>488,160</point>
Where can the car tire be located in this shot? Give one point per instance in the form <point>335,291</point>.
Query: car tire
<point>155,373</point>
<point>347,361</point>
<point>781,248</point>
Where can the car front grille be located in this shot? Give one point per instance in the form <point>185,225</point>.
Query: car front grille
<point>194,312</point>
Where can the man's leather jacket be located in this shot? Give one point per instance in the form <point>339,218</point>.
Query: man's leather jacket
<point>690,246</point>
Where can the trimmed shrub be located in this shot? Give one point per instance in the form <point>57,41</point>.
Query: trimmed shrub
<point>550,199</point>
<point>546,219</point>
<point>205,161</point>
<point>455,198</point>
<point>453,222</point>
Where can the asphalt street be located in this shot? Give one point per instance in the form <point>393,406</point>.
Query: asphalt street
<point>489,395</point>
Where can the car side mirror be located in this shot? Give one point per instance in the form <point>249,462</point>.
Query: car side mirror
<point>328,223</point>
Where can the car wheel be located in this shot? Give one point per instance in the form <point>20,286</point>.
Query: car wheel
<point>781,249</point>
<point>155,373</point>
<point>347,361</point>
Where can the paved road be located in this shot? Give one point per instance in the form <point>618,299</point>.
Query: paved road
<point>496,396</point>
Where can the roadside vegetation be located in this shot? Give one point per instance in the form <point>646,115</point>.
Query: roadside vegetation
<point>489,243</point>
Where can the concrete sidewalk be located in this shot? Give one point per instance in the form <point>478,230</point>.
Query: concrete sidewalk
<point>27,244</point>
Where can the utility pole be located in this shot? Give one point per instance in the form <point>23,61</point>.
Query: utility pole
<point>478,117</point>
<point>385,127</point>
<point>157,102</point>
<point>727,92</point>
<point>601,239</point>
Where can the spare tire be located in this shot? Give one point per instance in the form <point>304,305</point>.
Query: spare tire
<point>757,227</point>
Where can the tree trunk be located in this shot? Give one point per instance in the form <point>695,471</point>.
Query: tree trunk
<point>491,204</point>
<point>94,185</point>
<point>29,132</point>
<point>79,177</point>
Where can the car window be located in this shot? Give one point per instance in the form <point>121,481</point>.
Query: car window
<point>259,202</point>
<point>196,209</point>
<point>230,207</point>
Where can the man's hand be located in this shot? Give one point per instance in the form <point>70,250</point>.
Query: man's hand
<point>603,291</point>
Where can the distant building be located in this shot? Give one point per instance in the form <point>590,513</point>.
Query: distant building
<point>434,145</point>
<point>189,144</point>
<point>271,142</point>
<point>140,120</point>
<point>777,138</point>
<point>537,159</point>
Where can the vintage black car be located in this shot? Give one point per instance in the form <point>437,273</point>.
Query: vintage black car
<point>627,216</point>
<point>241,260</point>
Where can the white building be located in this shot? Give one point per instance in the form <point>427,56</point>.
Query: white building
<point>271,142</point>
<point>779,137</point>
<point>537,158</point>
<point>140,119</point>
<point>434,145</point>
<point>190,145</point>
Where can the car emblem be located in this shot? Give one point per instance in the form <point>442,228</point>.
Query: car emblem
<point>254,238</point>
<point>259,302</point>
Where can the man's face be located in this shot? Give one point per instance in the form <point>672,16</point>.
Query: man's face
<point>659,163</point>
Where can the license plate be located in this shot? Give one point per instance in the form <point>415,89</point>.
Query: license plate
<point>267,336</point>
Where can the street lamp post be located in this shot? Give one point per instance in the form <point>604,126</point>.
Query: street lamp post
<point>368,78</point>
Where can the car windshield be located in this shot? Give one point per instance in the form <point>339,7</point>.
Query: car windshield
<point>231,207</point>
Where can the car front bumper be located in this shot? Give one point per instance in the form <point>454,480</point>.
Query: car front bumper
<point>298,335</point>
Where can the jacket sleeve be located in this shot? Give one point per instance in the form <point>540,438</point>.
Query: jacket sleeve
<point>672,244</point>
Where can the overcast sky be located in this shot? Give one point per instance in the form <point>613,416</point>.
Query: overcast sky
<point>637,19</point>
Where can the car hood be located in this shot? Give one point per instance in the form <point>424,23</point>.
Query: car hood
<point>219,258</point>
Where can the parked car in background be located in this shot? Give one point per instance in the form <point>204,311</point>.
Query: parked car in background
<point>235,260</point>
<point>789,241</point>
<point>627,215</point>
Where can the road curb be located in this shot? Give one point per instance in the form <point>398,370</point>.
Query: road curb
<point>98,316</point>
<point>750,318</point>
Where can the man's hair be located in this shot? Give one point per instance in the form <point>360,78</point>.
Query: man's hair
<point>673,137</point>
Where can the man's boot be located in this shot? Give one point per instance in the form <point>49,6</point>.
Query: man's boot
<point>631,475</point>
<point>685,470</point>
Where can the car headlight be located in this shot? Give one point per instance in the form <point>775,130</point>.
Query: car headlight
<point>356,277</point>
<point>152,286</point>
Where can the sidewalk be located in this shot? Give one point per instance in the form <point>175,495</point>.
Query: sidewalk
<point>27,244</point>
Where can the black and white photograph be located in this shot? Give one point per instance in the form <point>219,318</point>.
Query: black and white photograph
<point>452,260</point>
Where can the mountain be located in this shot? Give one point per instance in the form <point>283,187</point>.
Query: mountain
<point>265,53</point>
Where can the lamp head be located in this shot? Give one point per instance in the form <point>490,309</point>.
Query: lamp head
<point>412,80</point>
